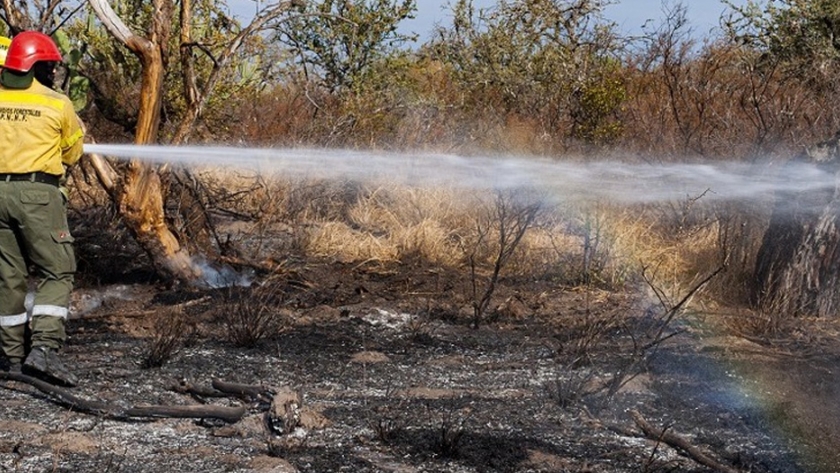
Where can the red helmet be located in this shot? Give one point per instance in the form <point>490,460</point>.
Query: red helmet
<point>29,47</point>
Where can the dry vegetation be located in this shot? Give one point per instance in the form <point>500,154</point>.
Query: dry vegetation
<point>668,96</point>
<point>452,329</point>
<point>544,79</point>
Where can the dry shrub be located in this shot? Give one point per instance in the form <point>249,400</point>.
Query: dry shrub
<point>249,315</point>
<point>572,386</point>
<point>321,200</point>
<point>582,336</point>
<point>757,324</point>
<point>265,196</point>
<point>283,114</point>
<point>170,329</point>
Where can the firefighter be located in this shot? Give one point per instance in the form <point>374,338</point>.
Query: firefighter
<point>40,134</point>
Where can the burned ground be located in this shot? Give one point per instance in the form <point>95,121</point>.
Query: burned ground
<point>392,378</point>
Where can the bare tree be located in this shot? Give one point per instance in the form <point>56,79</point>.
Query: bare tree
<point>138,192</point>
<point>510,219</point>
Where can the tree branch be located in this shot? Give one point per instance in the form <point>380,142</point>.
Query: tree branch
<point>104,409</point>
<point>680,443</point>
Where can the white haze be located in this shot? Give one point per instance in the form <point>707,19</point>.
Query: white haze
<point>612,181</point>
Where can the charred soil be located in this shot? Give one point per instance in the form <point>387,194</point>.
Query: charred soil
<point>391,377</point>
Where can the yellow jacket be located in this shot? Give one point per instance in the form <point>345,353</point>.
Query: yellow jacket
<point>39,131</point>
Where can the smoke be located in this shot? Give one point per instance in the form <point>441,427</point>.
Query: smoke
<point>215,276</point>
<point>83,301</point>
<point>613,181</point>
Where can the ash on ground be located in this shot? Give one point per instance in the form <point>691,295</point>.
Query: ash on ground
<point>391,377</point>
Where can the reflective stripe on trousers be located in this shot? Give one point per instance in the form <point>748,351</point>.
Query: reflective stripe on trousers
<point>13,320</point>
<point>51,310</point>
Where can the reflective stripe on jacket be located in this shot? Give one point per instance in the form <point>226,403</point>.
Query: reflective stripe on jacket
<point>39,131</point>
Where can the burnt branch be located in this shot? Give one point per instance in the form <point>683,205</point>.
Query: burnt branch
<point>671,311</point>
<point>680,443</point>
<point>220,388</point>
<point>67,399</point>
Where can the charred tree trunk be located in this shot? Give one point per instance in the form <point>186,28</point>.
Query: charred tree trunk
<point>798,265</point>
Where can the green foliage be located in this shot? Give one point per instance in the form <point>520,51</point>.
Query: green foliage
<point>338,41</point>
<point>380,99</point>
<point>802,33</point>
<point>76,86</point>
<point>597,103</point>
<point>546,58</point>
<point>112,73</point>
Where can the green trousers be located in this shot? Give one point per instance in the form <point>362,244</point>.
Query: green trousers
<point>34,234</point>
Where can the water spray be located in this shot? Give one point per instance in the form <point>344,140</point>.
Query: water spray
<point>612,181</point>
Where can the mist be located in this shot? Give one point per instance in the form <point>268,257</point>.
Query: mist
<point>607,180</point>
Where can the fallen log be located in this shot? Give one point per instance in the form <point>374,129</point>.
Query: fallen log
<point>231,415</point>
<point>678,442</point>
<point>67,399</point>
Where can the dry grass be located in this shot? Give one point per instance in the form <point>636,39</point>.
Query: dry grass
<point>603,244</point>
<point>572,244</point>
<point>749,323</point>
<point>393,223</point>
<point>365,222</point>
<point>338,240</point>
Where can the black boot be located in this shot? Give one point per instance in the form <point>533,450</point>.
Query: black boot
<point>43,362</point>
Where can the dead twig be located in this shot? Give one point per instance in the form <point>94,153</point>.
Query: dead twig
<point>673,310</point>
<point>680,443</point>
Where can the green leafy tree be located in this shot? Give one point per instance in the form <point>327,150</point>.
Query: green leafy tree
<point>803,34</point>
<point>201,67</point>
<point>550,58</point>
<point>337,41</point>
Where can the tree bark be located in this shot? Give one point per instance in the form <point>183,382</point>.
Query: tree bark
<point>139,196</point>
<point>798,264</point>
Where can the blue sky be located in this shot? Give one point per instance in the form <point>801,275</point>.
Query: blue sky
<point>629,15</point>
